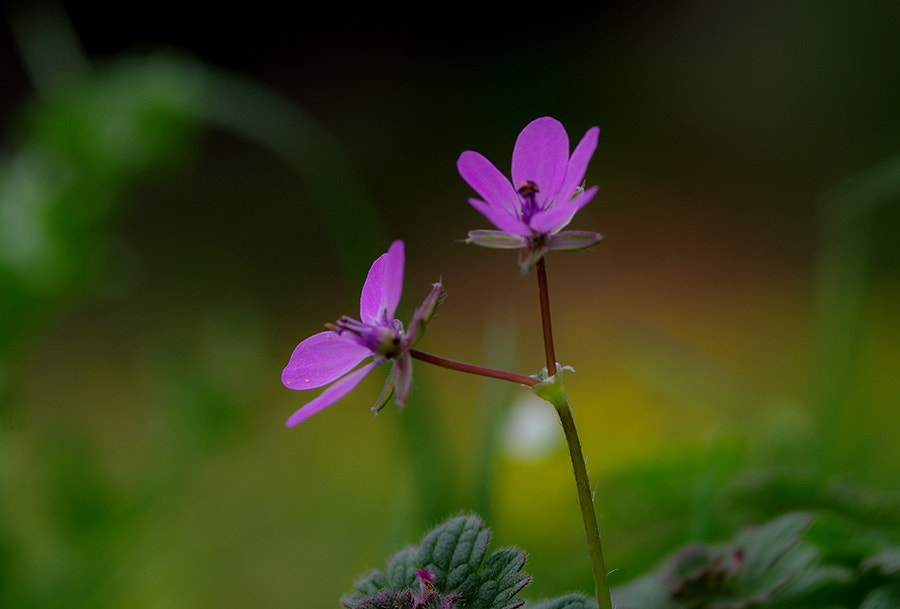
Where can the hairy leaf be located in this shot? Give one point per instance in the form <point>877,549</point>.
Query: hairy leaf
<point>455,553</point>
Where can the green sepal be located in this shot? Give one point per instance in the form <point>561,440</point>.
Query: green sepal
<point>386,394</point>
<point>529,256</point>
<point>573,240</point>
<point>496,239</point>
<point>426,310</point>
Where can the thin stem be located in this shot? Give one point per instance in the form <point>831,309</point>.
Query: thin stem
<point>512,377</point>
<point>545,316</point>
<point>582,482</point>
<point>586,503</point>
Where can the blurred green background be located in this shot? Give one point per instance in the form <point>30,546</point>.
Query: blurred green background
<point>184,196</point>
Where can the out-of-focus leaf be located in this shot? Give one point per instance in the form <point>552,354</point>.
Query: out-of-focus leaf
<point>886,597</point>
<point>770,566</point>
<point>886,562</point>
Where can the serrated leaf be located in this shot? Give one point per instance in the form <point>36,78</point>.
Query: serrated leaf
<point>480,546</point>
<point>455,553</point>
<point>401,569</point>
<point>366,586</point>
<point>568,601</point>
<point>503,563</point>
<point>389,599</point>
<point>461,579</point>
<point>451,544</point>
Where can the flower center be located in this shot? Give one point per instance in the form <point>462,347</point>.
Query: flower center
<point>382,340</point>
<point>528,191</point>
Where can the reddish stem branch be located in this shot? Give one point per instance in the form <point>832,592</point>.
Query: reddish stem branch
<point>512,377</point>
<point>545,317</point>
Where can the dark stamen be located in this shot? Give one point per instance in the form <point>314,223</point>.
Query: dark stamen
<point>528,190</point>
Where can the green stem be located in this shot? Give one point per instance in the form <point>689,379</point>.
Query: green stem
<point>586,503</point>
<point>582,483</point>
<point>512,377</point>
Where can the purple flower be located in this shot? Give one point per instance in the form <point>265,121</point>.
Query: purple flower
<point>332,357</point>
<point>545,193</point>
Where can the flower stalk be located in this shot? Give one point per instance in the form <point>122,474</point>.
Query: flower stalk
<point>586,503</point>
<point>552,391</point>
<point>443,362</point>
<point>547,326</point>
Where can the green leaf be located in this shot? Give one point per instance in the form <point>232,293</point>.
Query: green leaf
<point>452,552</point>
<point>885,597</point>
<point>886,562</point>
<point>369,585</point>
<point>401,569</point>
<point>389,599</point>
<point>502,579</point>
<point>772,565</point>
<point>456,553</point>
<point>569,601</point>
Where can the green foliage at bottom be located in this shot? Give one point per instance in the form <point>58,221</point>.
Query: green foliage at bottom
<point>799,560</point>
<point>459,571</point>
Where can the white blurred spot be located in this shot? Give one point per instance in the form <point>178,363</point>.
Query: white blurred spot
<point>532,429</point>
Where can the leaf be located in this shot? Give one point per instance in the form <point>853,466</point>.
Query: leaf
<point>569,601</point>
<point>885,597</point>
<point>401,569</point>
<point>886,562</point>
<point>368,586</point>
<point>502,580</point>
<point>389,599</point>
<point>455,552</point>
<point>771,565</point>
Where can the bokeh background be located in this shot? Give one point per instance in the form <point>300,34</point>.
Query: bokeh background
<point>185,195</point>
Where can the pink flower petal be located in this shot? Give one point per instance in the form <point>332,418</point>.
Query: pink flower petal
<point>371,299</point>
<point>393,279</point>
<point>383,287</point>
<point>321,359</point>
<point>487,181</point>
<point>557,217</point>
<point>541,155</point>
<point>578,163</point>
<point>332,394</point>
<point>500,218</point>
